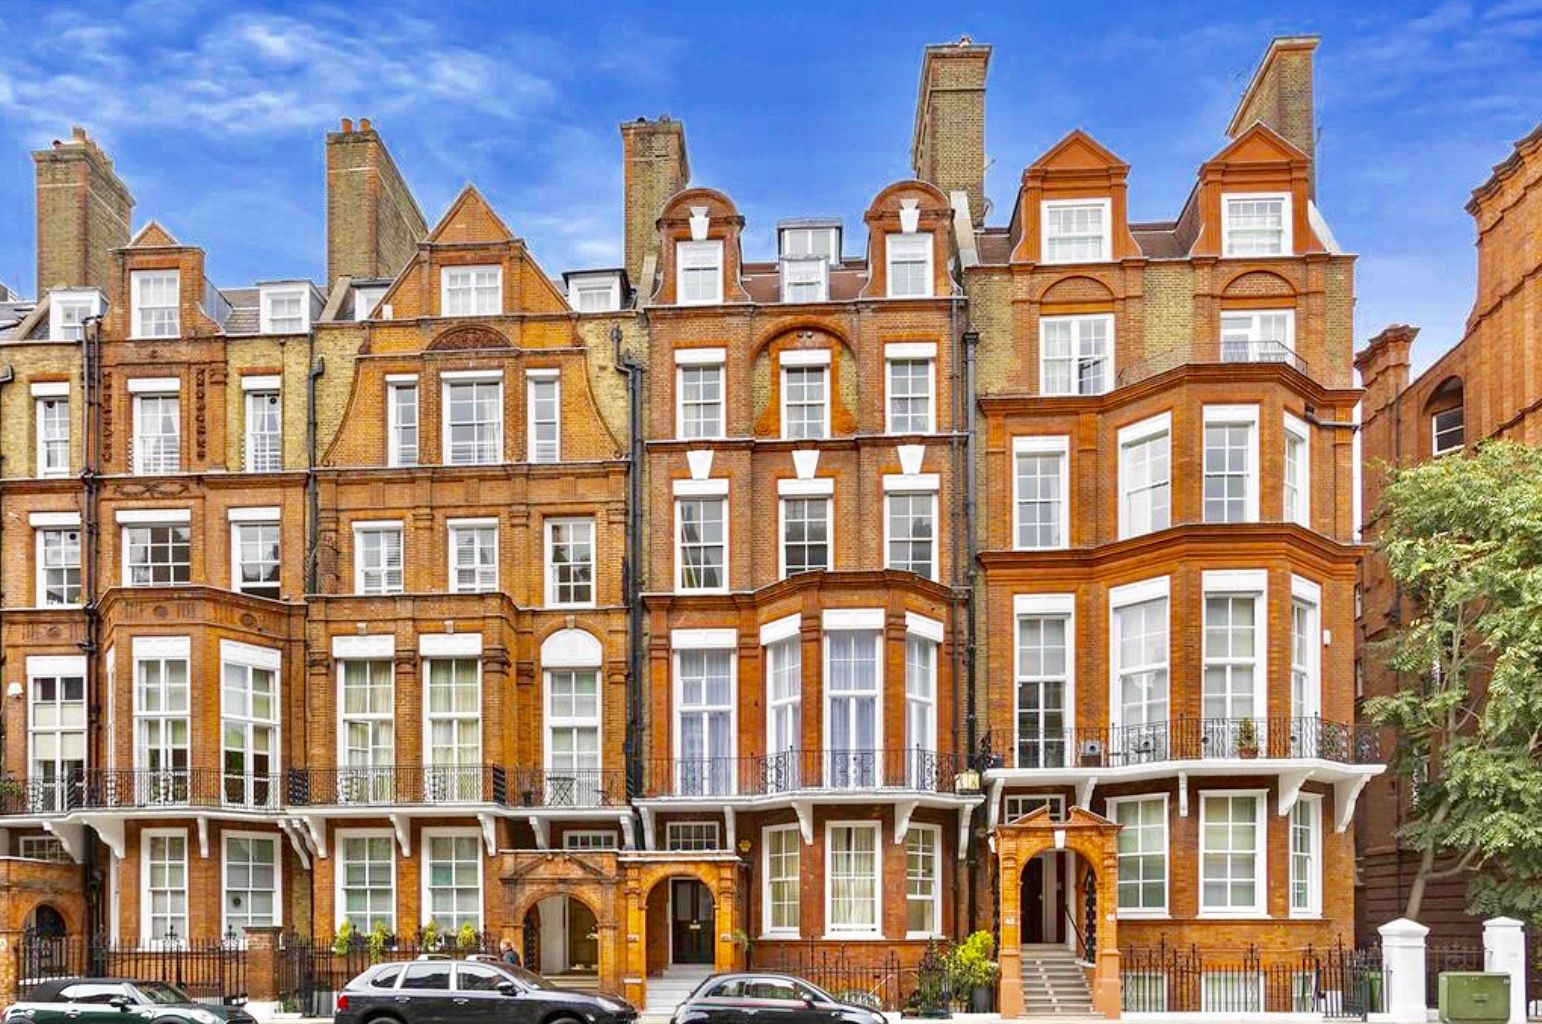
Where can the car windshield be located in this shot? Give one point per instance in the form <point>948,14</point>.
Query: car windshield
<point>161,993</point>
<point>530,979</point>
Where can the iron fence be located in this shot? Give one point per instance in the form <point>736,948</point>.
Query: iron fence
<point>1448,956</point>
<point>213,973</point>
<point>876,980</point>
<point>1337,982</point>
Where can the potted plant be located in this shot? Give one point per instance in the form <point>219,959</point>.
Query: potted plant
<point>466,938</point>
<point>971,970</point>
<point>344,939</point>
<point>378,940</point>
<point>1247,739</point>
<point>429,936</point>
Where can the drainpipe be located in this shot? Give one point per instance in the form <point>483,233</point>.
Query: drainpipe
<point>312,485</point>
<point>7,374</point>
<point>90,484</point>
<point>971,338</point>
<point>631,574</point>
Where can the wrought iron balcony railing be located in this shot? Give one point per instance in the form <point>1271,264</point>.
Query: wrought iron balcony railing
<point>915,769</point>
<point>397,784</point>
<point>143,788</point>
<point>1196,739</point>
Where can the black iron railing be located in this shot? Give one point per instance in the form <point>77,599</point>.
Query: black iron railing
<point>1336,981</point>
<point>141,788</point>
<point>1194,739</point>
<point>793,771</point>
<point>212,973</point>
<point>386,785</point>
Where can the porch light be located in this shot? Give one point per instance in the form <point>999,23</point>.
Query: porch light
<point>967,781</point>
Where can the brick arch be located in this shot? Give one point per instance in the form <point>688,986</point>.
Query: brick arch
<point>1077,288</point>
<point>1258,284</point>
<point>718,204</point>
<point>603,909</point>
<point>939,201</point>
<point>643,877</point>
<point>843,367</point>
<point>468,337</point>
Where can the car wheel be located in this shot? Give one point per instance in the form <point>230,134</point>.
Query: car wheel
<point>564,1019</point>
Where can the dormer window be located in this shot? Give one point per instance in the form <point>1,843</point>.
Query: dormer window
<point>595,293</point>
<point>1255,224</point>
<point>805,278</point>
<point>699,273</point>
<point>154,296</point>
<point>910,265</point>
<point>471,291</point>
<point>1075,230</point>
<point>68,312</point>
<point>365,299</point>
<point>811,240</point>
<point>285,310</point>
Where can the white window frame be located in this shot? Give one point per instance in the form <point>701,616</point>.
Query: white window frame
<point>1311,806</point>
<point>173,519</point>
<point>41,530</point>
<point>474,289</point>
<point>709,782</point>
<point>800,272</point>
<point>552,599</point>
<point>555,721</point>
<point>366,298</point>
<point>1104,206</point>
<point>1140,433</point>
<point>1306,594</point>
<point>359,528</point>
<point>269,323</point>
<point>767,915</point>
<point>781,531</point>
<point>146,917</point>
<point>1044,606</point>
<point>1249,324</point>
<point>820,368</point>
<point>1240,583</point>
<point>1078,323</point>
<point>396,386</point>
<point>481,584</point>
<point>1136,913</point>
<point>163,651</point>
<point>693,256</point>
<point>705,831</point>
<point>1287,241</point>
<point>276,838</point>
<point>340,874</point>
<point>784,705</point>
<point>1260,907</point>
<point>888,530</point>
<point>1026,803</point>
<point>1436,431</point>
<point>153,321</point>
<point>1058,446</point>
<point>1297,432</point>
<point>448,382</point>
<point>366,781</point>
<point>539,449</point>
<point>682,366</point>
<point>807,233</point>
<point>143,465</point>
<point>45,397</point>
<point>252,659</point>
<point>460,781</point>
<point>1233,416</point>
<point>919,240</point>
<point>936,898</point>
<point>254,450</point>
<point>254,518</point>
<point>680,587</point>
<point>857,775</point>
<point>83,303</point>
<point>426,882</point>
<point>57,669</point>
<point>924,353</point>
<point>875,929</point>
<point>1156,589</point>
<point>583,285</point>
<point>591,839</point>
<point>921,685</point>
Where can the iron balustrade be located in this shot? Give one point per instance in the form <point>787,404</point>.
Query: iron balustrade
<point>392,785</point>
<point>914,769</point>
<point>1197,739</point>
<point>1337,982</point>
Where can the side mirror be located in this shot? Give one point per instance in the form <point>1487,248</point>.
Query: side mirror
<point>120,1003</point>
<point>808,1002</point>
<point>508,988</point>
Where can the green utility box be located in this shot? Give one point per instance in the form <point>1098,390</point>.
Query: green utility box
<point>1474,997</point>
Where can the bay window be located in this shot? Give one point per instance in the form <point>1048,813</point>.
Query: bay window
<point>454,741</point>
<point>1297,485</point>
<point>1041,482</point>
<point>1231,853</point>
<point>1142,881</point>
<point>56,733</point>
<point>1306,856</point>
<point>923,882</point>
<point>368,730</point>
<point>1044,678</point>
<point>704,721</point>
<point>1076,354</point>
<point>1140,655</point>
<point>853,697</point>
<point>1145,476</point>
<point>249,712</point>
<point>1234,642</point>
<point>1231,464</point>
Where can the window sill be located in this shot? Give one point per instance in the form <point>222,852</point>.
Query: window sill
<point>1143,915</point>
<point>922,936</point>
<point>873,936</point>
<point>1236,915</point>
<point>552,605</point>
<point>784,936</point>
<point>1306,915</point>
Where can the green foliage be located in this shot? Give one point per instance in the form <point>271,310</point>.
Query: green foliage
<point>344,938</point>
<point>969,963</point>
<point>428,935</point>
<point>379,939</point>
<point>1462,539</point>
<point>931,981</point>
<point>1247,735</point>
<point>466,938</point>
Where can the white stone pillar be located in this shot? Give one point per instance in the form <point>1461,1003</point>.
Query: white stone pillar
<point>1504,952</point>
<point>1402,970</point>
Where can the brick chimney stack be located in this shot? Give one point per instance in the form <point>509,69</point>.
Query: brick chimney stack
<point>656,167</point>
<point>373,222</point>
<point>948,147</point>
<point>83,213</point>
<point>1280,95</point>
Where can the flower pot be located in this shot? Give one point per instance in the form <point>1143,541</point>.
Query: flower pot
<point>1247,753</point>
<point>980,999</point>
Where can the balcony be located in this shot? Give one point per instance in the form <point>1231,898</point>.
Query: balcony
<point>413,785</point>
<point>1222,352</point>
<point>1260,352</point>
<point>801,772</point>
<point>200,789</point>
<point>1200,739</point>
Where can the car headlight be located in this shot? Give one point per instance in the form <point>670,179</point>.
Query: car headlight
<point>203,1017</point>
<point>609,1005</point>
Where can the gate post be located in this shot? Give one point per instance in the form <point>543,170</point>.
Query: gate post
<point>1402,968</point>
<point>262,972</point>
<point>1504,951</point>
<point>10,966</point>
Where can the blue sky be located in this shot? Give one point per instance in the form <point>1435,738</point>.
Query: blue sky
<point>215,113</point>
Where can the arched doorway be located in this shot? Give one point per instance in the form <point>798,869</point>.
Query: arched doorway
<point>1053,899</point>
<point>562,941</point>
<point>691,930</point>
<point>45,922</point>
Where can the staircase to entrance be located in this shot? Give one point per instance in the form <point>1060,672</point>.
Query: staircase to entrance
<point>668,989</point>
<point>1054,983</point>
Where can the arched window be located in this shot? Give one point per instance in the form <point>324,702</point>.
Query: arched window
<point>570,666</point>
<point>1448,417</point>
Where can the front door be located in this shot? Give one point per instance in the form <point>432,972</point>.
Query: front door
<point>1044,899</point>
<point>690,922</point>
<point>1032,917</point>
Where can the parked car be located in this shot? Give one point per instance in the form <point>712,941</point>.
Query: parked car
<point>115,1001</point>
<point>753,998</point>
<point>439,991</point>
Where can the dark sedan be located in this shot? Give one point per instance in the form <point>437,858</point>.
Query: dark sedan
<point>114,1001</point>
<point>768,999</point>
<point>441,991</point>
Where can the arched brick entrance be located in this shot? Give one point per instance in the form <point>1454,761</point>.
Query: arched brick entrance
<point>643,875</point>
<point>1095,841</point>
<point>592,879</point>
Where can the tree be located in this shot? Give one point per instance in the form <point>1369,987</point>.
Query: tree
<point>1462,538</point>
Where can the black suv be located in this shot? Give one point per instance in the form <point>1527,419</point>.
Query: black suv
<point>440,991</point>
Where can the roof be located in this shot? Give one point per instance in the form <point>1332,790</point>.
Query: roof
<point>11,316</point>
<point>245,313</point>
<point>47,990</point>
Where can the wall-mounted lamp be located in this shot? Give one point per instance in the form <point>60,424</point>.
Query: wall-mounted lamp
<point>13,690</point>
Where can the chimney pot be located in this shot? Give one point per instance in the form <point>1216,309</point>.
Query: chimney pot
<point>363,124</point>
<point>347,124</point>
<point>77,133</point>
